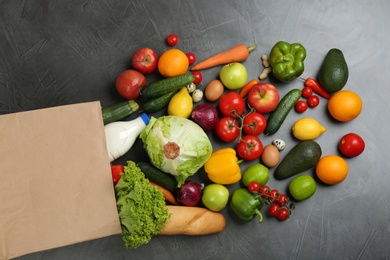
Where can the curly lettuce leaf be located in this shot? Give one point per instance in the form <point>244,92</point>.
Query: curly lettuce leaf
<point>141,207</point>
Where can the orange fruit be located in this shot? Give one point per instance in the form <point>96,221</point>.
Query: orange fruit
<point>345,105</point>
<point>332,169</point>
<point>172,62</point>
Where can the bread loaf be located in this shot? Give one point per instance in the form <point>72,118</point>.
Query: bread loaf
<point>192,221</point>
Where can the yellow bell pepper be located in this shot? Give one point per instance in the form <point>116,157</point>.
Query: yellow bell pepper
<point>223,166</point>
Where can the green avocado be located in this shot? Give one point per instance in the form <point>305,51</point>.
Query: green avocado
<point>333,74</point>
<point>301,157</point>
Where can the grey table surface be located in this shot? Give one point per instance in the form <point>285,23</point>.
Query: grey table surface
<point>62,52</point>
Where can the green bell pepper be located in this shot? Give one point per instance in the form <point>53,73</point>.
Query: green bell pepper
<point>246,205</point>
<point>287,60</point>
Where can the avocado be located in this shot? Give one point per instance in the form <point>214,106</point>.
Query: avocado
<point>333,74</point>
<point>301,157</point>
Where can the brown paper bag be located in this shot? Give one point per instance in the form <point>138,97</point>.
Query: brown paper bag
<point>55,179</point>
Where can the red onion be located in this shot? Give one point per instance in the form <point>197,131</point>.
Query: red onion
<point>190,193</point>
<point>205,115</point>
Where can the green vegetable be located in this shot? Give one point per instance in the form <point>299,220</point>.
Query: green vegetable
<point>287,60</point>
<point>118,111</point>
<point>156,103</point>
<point>176,145</point>
<point>277,117</point>
<point>246,205</point>
<point>301,157</point>
<point>141,207</point>
<point>302,187</point>
<point>333,74</point>
<point>167,85</point>
<point>162,178</point>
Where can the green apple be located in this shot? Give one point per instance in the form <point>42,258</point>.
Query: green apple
<point>256,172</point>
<point>215,197</point>
<point>233,75</point>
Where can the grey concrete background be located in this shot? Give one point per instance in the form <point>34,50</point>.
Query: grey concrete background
<point>62,52</point>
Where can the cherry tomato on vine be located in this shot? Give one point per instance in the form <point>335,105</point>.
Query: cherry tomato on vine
<point>249,147</point>
<point>284,214</point>
<point>231,104</point>
<point>254,186</point>
<point>172,39</point>
<point>274,195</point>
<point>191,58</point>
<point>301,106</point>
<point>274,209</point>
<point>283,200</point>
<point>313,101</point>
<point>198,77</point>
<point>307,92</point>
<point>227,129</point>
<point>254,123</point>
<point>351,145</point>
<point>265,191</point>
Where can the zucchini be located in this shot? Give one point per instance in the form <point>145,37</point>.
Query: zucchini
<point>118,111</point>
<point>167,85</point>
<point>277,117</point>
<point>157,103</point>
<point>154,174</point>
<point>301,157</point>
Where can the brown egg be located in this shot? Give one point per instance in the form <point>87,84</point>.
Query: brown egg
<point>270,156</point>
<point>214,90</point>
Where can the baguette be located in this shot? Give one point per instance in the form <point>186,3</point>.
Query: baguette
<point>192,221</point>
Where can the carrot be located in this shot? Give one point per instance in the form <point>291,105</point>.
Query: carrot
<point>168,196</point>
<point>245,90</point>
<point>238,53</point>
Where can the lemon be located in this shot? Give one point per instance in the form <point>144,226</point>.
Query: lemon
<point>307,129</point>
<point>181,104</point>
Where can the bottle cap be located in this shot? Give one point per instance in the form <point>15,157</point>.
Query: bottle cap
<point>145,118</point>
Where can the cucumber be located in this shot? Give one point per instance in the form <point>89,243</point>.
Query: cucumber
<point>154,174</point>
<point>301,157</point>
<point>118,111</point>
<point>167,85</point>
<point>277,117</point>
<point>157,103</point>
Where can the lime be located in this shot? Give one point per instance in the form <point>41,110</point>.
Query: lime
<point>302,187</point>
<point>256,172</point>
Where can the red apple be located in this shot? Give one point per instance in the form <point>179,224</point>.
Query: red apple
<point>129,84</point>
<point>263,97</point>
<point>144,60</point>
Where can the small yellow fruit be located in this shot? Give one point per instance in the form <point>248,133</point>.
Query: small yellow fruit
<point>307,129</point>
<point>181,104</point>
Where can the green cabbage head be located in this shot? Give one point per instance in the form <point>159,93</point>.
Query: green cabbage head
<point>176,145</point>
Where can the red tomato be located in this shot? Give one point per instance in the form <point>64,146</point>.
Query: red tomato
<point>313,101</point>
<point>231,104</point>
<point>284,214</point>
<point>172,39</point>
<point>198,77</point>
<point>307,92</point>
<point>249,148</point>
<point>283,200</point>
<point>227,129</point>
<point>116,171</point>
<point>274,209</point>
<point>351,145</point>
<point>191,58</point>
<point>301,106</point>
<point>254,123</point>
<point>254,186</point>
